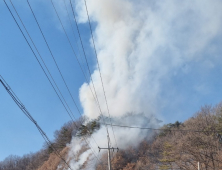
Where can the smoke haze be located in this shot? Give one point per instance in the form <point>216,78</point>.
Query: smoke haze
<point>143,47</point>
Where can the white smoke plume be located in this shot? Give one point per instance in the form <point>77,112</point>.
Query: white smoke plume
<point>141,44</point>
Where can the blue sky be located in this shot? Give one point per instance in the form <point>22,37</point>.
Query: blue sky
<point>178,90</point>
<point>21,71</point>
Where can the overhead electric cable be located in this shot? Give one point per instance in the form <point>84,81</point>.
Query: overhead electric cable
<point>25,111</point>
<point>87,64</point>
<point>76,40</point>
<point>47,68</point>
<point>95,97</point>
<point>41,58</point>
<point>45,72</point>
<point>54,57</point>
<point>99,68</point>
<point>148,128</point>
<point>35,56</point>
<point>83,50</point>
<point>44,63</point>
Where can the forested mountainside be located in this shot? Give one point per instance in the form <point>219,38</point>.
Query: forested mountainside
<point>175,146</point>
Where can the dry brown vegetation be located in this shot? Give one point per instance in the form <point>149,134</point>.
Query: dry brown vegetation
<point>178,146</point>
<point>54,161</point>
<point>45,159</point>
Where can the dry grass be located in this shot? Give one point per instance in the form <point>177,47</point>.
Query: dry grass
<point>54,161</point>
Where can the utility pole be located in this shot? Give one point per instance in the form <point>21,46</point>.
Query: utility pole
<point>198,164</point>
<point>109,158</point>
<point>109,148</point>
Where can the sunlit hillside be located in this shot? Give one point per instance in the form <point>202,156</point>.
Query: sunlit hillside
<point>180,145</point>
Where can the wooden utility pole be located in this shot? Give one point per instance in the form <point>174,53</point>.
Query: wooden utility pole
<point>109,156</point>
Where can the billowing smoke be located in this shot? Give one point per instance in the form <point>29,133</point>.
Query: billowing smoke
<point>141,45</point>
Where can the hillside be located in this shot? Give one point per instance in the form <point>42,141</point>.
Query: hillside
<point>176,146</point>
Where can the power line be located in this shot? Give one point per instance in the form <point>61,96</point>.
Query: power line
<point>37,59</point>
<point>55,60</point>
<point>87,64</point>
<point>72,48</point>
<point>53,57</point>
<point>148,128</point>
<point>36,56</point>
<point>99,68</point>
<point>83,50</point>
<point>41,57</point>
<point>49,71</point>
<point>95,97</point>
<point>74,34</point>
<point>45,72</point>
<point>25,111</point>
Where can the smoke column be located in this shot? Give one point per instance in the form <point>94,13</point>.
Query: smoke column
<point>141,45</point>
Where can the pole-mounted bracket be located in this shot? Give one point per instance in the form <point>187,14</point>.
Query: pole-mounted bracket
<point>111,148</point>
